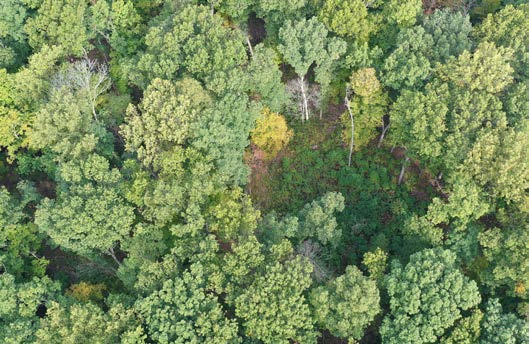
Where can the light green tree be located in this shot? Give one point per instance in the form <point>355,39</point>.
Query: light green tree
<point>303,43</point>
<point>87,323</point>
<point>66,126</point>
<point>183,311</point>
<point>19,303</point>
<point>498,327</point>
<point>89,215</point>
<point>348,18</point>
<point>195,43</point>
<point>317,219</point>
<point>162,121</point>
<point>506,28</point>
<point>62,23</point>
<point>273,308</point>
<point>347,304</point>
<point>427,297</point>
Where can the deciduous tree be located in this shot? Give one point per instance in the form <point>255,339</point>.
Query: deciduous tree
<point>347,304</point>
<point>427,297</point>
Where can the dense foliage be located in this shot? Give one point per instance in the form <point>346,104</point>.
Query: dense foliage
<point>264,171</point>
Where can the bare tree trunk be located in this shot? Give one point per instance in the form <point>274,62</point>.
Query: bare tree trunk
<point>403,169</point>
<point>94,110</point>
<point>305,101</point>
<point>352,143</point>
<point>385,128</point>
<point>249,45</point>
<point>113,255</point>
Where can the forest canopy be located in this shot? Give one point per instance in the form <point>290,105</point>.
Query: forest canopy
<point>264,171</point>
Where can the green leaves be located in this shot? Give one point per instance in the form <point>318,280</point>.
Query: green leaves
<point>19,304</point>
<point>347,304</point>
<point>506,28</point>
<point>184,312</point>
<point>89,215</point>
<point>318,221</point>
<point>348,18</point>
<point>196,43</point>
<point>87,323</point>
<point>62,23</point>
<point>302,43</point>
<point>427,296</point>
<point>499,327</point>
<point>273,308</point>
<point>162,121</point>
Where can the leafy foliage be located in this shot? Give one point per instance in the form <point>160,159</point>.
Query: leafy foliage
<point>347,304</point>
<point>427,296</point>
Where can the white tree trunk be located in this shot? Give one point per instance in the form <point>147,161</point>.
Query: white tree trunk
<point>352,143</point>
<point>403,169</point>
<point>305,101</point>
<point>113,255</point>
<point>385,129</point>
<point>249,45</point>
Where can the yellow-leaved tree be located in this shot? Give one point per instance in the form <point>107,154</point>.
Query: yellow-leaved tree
<point>271,133</point>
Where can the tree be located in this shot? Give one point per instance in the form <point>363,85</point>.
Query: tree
<point>21,94</point>
<point>62,22</point>
<point>499,327</point>
<point>19,303</point>
<point>162,121</point>
<point>230,215</point>
<point>14,128</point>
<point>183,311</point>
<point>66,126</point>
<point>13,40</point>
<point>273,309</point>
<point>366,106</point>
<point>498,161</point>
<point>504,250</point>
<point>87,77</point>
<point>276,12</point>
<point>505,29</point>
<point>265,78</point>
<point>450,32</point>
<point>222,133</point>
<point>468,71</point>
<point>89,215</point>
<point>347,304</point>
<point>32,82</point>
<point>271,133</point>
<point>87,323</point>
<point>410,63</point>
<point>467,330</point>
<point>376,263</point>
<point>401,13</point>
<point>19,238</point>
<point>303,43</point>
<point>317,219</point>
<point>427,297</point>
<point>455,108</point>
<point>348,18</point>
<point>196,43</point>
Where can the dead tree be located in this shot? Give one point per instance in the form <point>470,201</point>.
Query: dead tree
<point>348,106</point>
